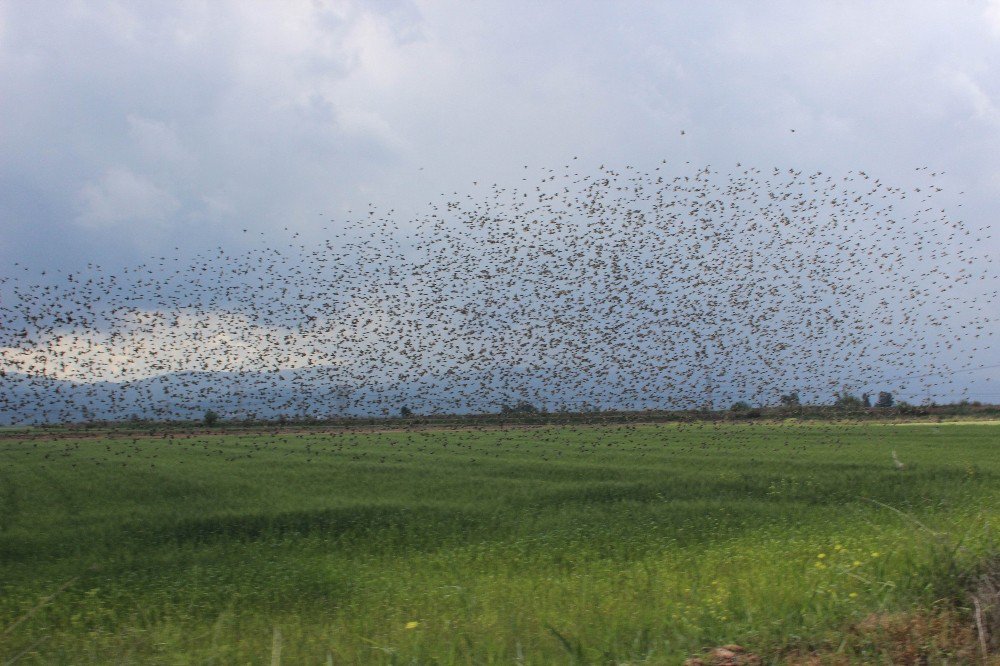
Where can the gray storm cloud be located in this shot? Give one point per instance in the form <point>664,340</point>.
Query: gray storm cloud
<point>137,130</point>
<point>208,118</point>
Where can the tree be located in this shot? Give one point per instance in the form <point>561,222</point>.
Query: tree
<point>866,400</point>
<point>885,400</point>
<point>845,400</point>
<point>743,410</point>
<point>405,412</point>
<point>790,399</point>
<point>523,407</point>
<point>211,418</point>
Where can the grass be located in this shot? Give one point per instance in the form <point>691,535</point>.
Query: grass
<point>548,545</point>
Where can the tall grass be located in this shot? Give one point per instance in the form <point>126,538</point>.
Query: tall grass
<point>640,544</point>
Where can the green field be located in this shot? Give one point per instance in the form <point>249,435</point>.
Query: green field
<point>639,544</point>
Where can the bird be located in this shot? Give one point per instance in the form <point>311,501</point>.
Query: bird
<point>626,288</point>
<point>896,461</point>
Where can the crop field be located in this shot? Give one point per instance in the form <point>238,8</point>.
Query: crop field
<point>597,544</point>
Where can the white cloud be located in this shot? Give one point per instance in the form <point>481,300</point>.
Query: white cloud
<point>120,197</point>
<point>145,344</point>
<point>971,91</point>
<point>206,118</point>
<point>156,140</point>
<point>992,15</point>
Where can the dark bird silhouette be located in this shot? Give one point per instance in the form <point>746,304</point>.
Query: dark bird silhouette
<point>618,289</point>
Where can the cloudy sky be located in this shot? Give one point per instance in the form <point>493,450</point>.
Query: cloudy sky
<point>137,129</point>
<point>130,127</point>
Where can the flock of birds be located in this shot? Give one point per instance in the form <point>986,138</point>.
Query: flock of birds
<point>619,289</point>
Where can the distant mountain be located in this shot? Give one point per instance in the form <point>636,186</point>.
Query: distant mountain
<point>303,393</point>
<point>180,396</point>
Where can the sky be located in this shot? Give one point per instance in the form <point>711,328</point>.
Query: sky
<point>131,130</point>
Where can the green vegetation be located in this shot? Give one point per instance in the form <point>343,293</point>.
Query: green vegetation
<point>590,544</point>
